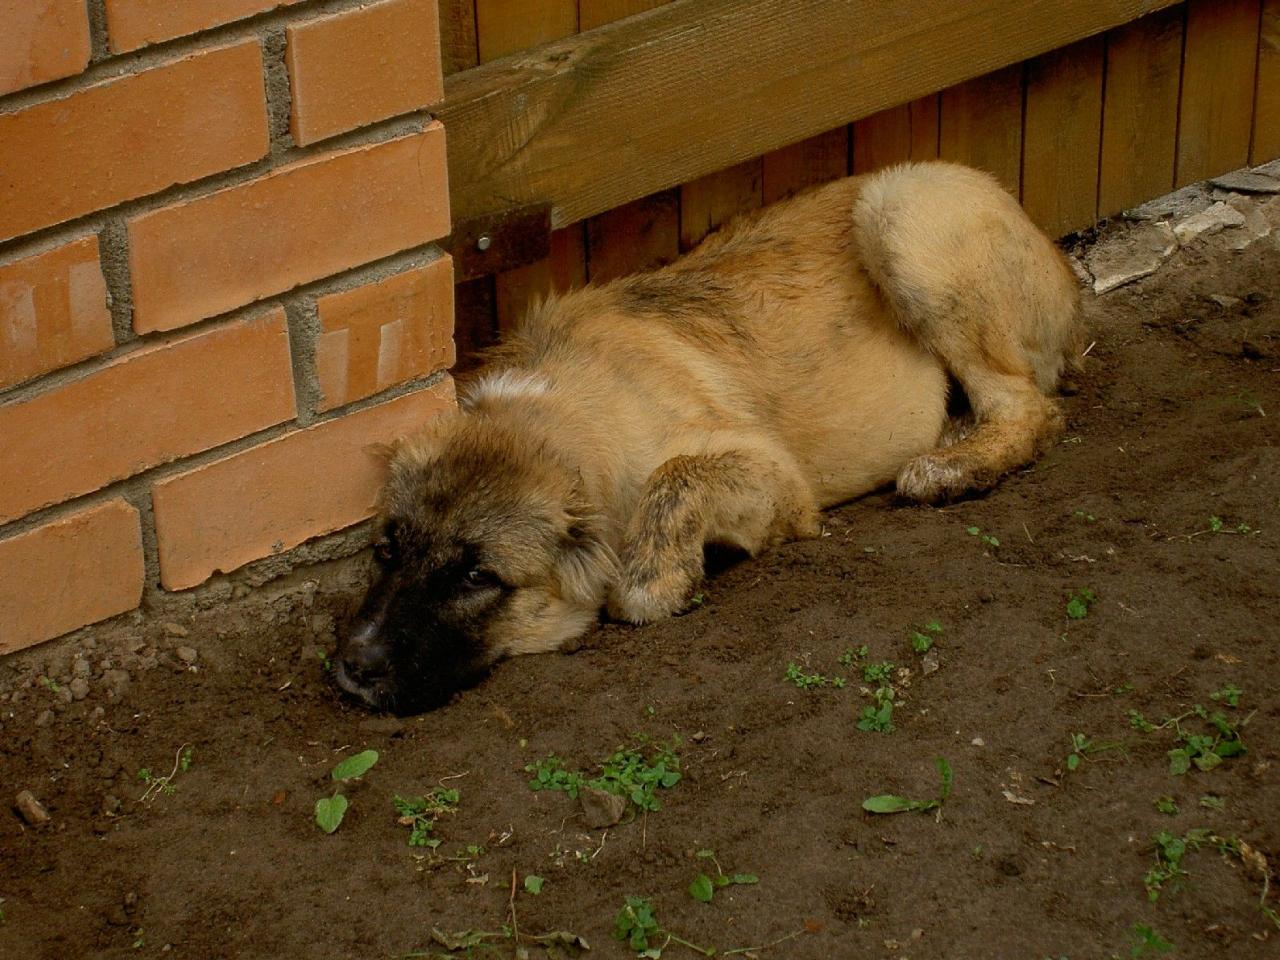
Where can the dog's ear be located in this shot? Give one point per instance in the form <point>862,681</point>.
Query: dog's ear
<point>587,564</point>
<point>382,453</point>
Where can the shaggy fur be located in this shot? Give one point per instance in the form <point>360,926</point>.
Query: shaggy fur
<point>797,359</point>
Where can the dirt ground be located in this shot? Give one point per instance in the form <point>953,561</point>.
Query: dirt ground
<point>1174,423</point>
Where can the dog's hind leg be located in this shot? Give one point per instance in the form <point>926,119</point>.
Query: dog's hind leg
<point>967,274</point>
<point>732,492</point>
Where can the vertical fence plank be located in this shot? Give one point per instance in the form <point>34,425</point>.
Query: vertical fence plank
<point>710,201</point>
<point>634,237</point>
<point>505,26</point>
<point>459,48</point>
<point>563,269</point>
<point>1215,118</point>
<point>596,13</point>
<point>905,132</point>
<point>1140,111</point>
<point>812,161</point>
<point>981,125</point>
<point>643,233</point>
<point>1266,121</point>
<point>1063,128</point>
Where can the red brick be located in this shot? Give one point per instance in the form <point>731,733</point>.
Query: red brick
<point>42,40</point>
<point>145,408</point>
<point>69,573</point>
<point>296,224</point>
<point>131,136</point>
<point>385,333</point>
<point>362,66</point>
<point>279,494</point>
<point>53,311</point>
<point>136,23</point>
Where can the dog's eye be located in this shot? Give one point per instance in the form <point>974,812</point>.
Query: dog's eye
<point>384,550</point>
<point>480,579</point>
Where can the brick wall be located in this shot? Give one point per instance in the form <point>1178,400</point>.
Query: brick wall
<point>218,287</point>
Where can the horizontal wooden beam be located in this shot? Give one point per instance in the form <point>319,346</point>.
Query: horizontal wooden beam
<point>593,121</point>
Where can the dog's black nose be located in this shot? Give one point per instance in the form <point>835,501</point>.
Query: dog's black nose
<point>363,658</point>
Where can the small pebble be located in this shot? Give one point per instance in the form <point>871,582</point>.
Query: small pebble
<point>81,667</point>
<point>79,688</point>
<point>31,809</point>
<point>175,629</point>
<point>187,654</point>
<point>45,718</point>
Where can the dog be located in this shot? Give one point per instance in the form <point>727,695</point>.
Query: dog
<point>802,356</point>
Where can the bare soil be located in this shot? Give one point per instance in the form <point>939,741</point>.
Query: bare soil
<point>1174,422</point>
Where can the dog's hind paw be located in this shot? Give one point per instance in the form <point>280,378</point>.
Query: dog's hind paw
<point>933,478</point>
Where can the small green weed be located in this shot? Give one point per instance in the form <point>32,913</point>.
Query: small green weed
<point>637,926</point>
<point>627,773</point>
<point>324,660</point>
<point>808,681</point>
<point>50,684</point>
<point>329,811</point>
<point>533,884</point>
<point>1170,850</point>
<point>1204,750</point>
<point>1211,802</point>
<point>1166,805</point>
<point>878,717</point>
<point>157,785</point>
<point>704,887</point>
<point>985,538</point>
<point>1083,515</point>
<point>853,655</point>
<point>1082,746</point>
<point>877,672</point>
<point>1079,602</point>
<point>419,814</point>
<point>923,638</point>
<point>1229,694</point>
<point>1147,941</point>
<point>891,803</point>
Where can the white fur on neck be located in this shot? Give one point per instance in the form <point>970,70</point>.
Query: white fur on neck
<point>509,385</point>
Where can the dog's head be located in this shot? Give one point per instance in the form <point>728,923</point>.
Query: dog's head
<point>485,549</point>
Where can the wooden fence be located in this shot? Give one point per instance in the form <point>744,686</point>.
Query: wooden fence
<point>1146,97</point>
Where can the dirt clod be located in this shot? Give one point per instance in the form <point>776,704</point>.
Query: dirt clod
<point>601,808</point>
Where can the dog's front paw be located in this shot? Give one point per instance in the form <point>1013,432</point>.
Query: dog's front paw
<point>648,592</point>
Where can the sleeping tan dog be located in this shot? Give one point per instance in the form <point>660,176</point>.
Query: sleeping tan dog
<point>799,358</point>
